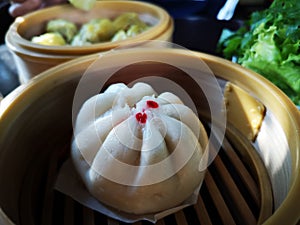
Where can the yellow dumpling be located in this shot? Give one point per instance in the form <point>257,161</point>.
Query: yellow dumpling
<point>125,20</point>
<point>66,28</point>
<point>52,39</point>
<point>96,31</point>
<point>135,30</point>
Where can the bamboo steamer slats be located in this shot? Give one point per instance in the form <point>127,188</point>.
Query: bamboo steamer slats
<point>235,191</point>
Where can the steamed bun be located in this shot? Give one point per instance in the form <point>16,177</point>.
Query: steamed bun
<point>137,151</point>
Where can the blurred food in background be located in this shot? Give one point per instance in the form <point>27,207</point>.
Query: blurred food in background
<point>64,32</point>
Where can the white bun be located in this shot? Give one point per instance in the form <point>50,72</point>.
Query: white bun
<point>135,163</point>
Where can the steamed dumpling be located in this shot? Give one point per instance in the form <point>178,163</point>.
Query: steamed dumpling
<point>126,20</point>
<point>136,151</point>
<point>95,31</point>
<point>64,27</point>
<point>51,39</point>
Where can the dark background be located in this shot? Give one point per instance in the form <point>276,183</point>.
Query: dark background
<point>5,21</point>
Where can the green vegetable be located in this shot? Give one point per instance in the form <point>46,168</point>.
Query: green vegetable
<point>269,43</point>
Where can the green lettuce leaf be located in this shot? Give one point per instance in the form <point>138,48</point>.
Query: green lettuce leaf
<point>269,44</point>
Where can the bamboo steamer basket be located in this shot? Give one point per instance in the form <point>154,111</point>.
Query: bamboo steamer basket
<point>32,59</point>
<point>241,185</point>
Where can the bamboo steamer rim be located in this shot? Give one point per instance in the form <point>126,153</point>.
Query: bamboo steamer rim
<point>41,56</point>
<point>116,7</point>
